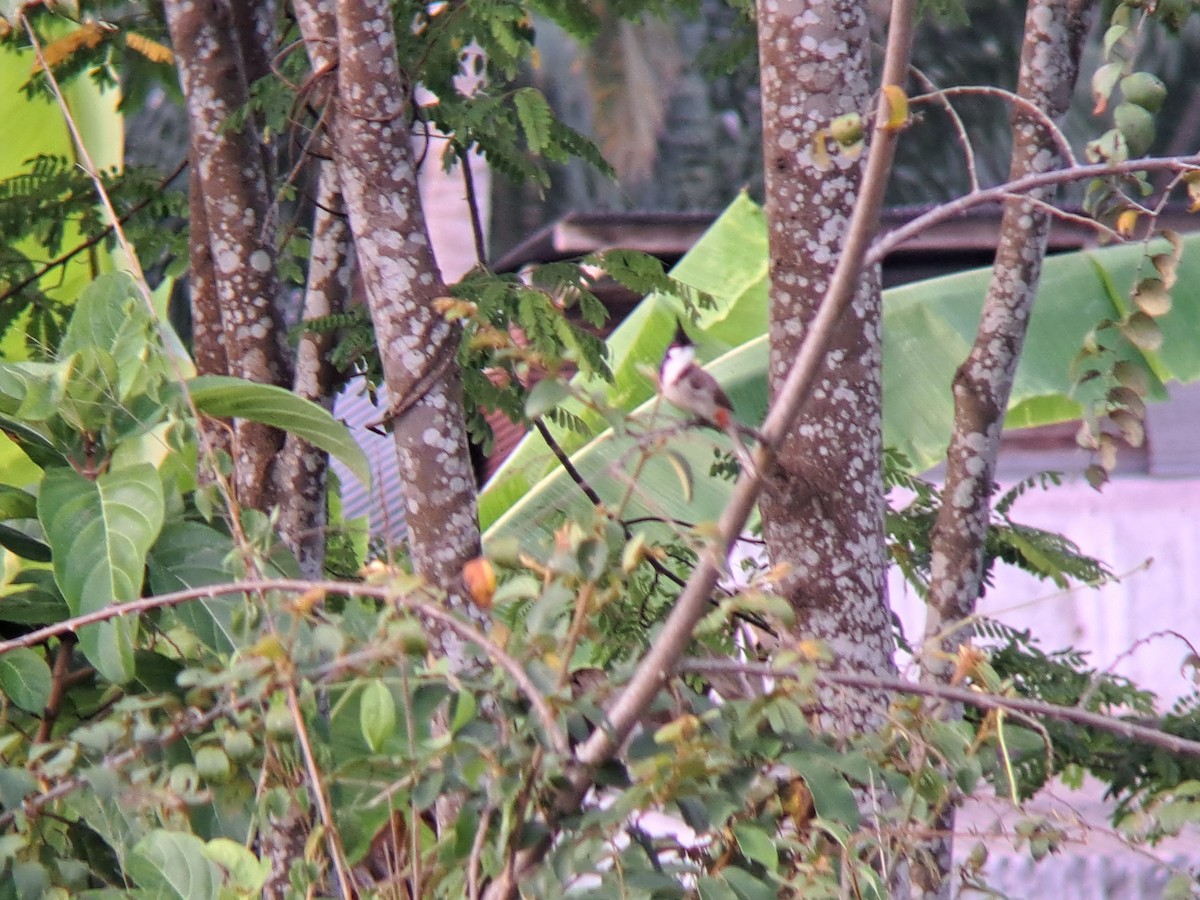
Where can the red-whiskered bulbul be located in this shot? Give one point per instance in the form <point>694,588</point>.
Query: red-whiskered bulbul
<point>686,385</point>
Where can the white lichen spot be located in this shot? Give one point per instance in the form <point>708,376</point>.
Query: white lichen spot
<point>260,261</point>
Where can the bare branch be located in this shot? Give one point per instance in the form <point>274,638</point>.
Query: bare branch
<point>998,194</point>
<point>1123,728</point>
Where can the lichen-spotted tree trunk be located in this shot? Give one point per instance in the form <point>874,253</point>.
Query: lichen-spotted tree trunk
<point>237,321</point>
<point>237,326</point>
<point>1054,35</point>
<point>823,506</point>
<point>368,113</point>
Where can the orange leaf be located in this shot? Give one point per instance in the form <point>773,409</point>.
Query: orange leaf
<point>480,578</point>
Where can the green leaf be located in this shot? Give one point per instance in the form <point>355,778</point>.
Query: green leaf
<point>16,503</point>
<point>100,532</point>
<point>544,396</point>
<point>465,711</point>
<point>535,116</point>
<point>32,598</point>
<point>25,679</point>
<point>30,442</point>
<point>31,391</point>
<point>746,886</point>
<point>246,871</point>
<point>15,785</point>
<point>377,714</point>
<point>189,555</point>
<point>173,864</point>
<point>223,396</point>
<point>756,845</point>
<point>23,545</point>
<point>832,796</point>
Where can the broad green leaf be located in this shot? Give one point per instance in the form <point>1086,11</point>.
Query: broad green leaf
<point>24,451</point>
<point>15,784</point>
<point>31,597</point>
<point>377,714</point>
<point>112,316</point>
<point>100,532</point>
<point>25,679</point>
<point>30,391</point>
<point>189,555</point>
<point>246,871</point>
<point>223,396</point>
<point>173,864</point>
<point>832,796</point>
<point>746,886</point>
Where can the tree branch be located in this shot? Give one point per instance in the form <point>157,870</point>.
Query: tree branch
<point>423,608</point>
<point>998,194</point>
<point>1131,730</point>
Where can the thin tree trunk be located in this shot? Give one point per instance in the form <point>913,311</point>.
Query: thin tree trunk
<point>236,202</point>
<point>370,131</point>
<point>1054,34</point>
<point>301,473</point>
<point>823,506</point>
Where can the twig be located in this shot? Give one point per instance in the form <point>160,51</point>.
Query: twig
<point>960,129</point>
<point>1031,109</point>
<point>1120,727</point>
<point>955,208</point>
<point>336,853</point>
<point>473,860</point>
<point>464,159</point>
<point>565,461</point>
<point>60,677</point>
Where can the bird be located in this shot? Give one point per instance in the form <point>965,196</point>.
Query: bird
<point>684,384</point>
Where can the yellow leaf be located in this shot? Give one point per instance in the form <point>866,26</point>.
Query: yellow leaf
<point>967,663</point>
<point>820,155</point>
<point>306,601</point>
<point>268,646</point>
<point>897,107</point>
<point>1192,179</point>
<point>1127,222</point>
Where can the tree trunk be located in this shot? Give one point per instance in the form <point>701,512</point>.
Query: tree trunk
<point>1054,34</point>
<point>823,506</point>
<point>301,472</point>
<point>236,199</point>
<point>369,129</point>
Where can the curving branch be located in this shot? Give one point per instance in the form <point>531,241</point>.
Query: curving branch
<point>889,242</point>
